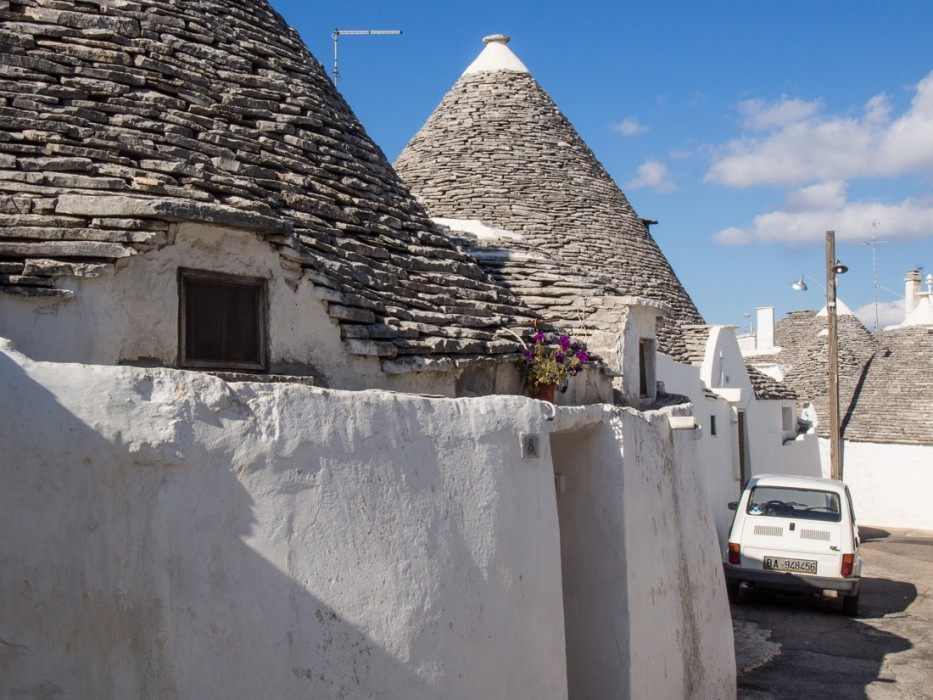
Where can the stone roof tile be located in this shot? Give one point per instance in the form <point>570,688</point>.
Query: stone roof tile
<point>118,117</point>
<point>498,150</point>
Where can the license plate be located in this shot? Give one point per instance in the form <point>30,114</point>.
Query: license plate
<point>794,566</point>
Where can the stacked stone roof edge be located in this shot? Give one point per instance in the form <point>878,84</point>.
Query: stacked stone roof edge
<point>119,119</point>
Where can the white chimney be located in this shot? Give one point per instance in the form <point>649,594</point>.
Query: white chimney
<point>911,291</point>
<point>764,335</point>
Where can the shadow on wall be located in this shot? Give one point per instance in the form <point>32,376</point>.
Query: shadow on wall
<point>588,474</point>
<point>98,600</point>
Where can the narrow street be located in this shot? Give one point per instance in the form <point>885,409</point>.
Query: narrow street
<point>790,647</point>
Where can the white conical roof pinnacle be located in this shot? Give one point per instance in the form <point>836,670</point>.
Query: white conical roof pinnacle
<point>497,56</point>
<point>842,309</point>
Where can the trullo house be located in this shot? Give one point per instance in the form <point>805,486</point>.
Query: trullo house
<point>233,458</point>
<point>499,163</point>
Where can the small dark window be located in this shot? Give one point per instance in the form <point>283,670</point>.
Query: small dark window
<point>222,321</point>
<point>712,425</point>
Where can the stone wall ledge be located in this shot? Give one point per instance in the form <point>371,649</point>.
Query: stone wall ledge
<point>170,209</point>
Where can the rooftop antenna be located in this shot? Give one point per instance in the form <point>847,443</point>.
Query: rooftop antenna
<point>355,32</point>
<point>876,284</point>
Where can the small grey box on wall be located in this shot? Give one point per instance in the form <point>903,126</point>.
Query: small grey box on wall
<point>531,447</point>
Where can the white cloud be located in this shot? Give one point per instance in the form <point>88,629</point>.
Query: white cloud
<point>803,146</point>
<point>652,174</point>
<point>759,115</point>
<point>629,126</point>
<point>814,210</point>
<point>824,195</point>
<point>734,236</point>
<point>890,313</point>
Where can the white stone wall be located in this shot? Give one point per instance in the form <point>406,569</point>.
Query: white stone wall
<point>167,535</point>
<point>715,455</point>
<point>891,484</point>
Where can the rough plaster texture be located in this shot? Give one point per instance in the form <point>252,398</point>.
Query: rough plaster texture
<point>643,610</point>
<point>168,535</point>
<point>890,484</point>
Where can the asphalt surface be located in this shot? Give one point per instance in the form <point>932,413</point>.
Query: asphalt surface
<point>791,647</point>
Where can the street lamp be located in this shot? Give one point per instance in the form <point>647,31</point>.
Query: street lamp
<point>834,268</point>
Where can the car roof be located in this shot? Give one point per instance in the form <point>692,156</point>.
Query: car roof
<point>793,480</point>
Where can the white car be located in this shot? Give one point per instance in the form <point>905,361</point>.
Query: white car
<point>795,533</point>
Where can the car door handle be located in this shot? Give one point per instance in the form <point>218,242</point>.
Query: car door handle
<point>834,548</point>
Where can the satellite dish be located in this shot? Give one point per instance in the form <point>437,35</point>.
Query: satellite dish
<point>800,285</point>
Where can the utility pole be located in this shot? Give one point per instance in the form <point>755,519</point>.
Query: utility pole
<point>833,268</point>
<point>335,36</point>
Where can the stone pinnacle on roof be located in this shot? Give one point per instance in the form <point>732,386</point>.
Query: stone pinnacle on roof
<point>496,56</point>
<point>499,151</point>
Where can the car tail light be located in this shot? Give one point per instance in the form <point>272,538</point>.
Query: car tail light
<point>735,553</point>
<point>848,565</point>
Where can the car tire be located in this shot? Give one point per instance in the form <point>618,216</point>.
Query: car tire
<point>735,593</point>
<point>850,605</point>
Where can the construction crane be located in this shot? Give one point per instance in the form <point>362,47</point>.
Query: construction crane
<point>355,32</point>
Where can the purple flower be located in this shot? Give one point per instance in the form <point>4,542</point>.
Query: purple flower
<point>564,342</point>
<point>538,337</point>
<point>583,356</point>
<point>559,358</point>
<point>528,355</point>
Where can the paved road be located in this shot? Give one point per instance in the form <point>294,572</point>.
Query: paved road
<point>797,648</point>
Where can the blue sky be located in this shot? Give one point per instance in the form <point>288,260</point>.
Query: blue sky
<point>745,128</point>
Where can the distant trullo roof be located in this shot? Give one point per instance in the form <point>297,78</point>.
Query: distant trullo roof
<point>498,150</point>
<point>120,117</point>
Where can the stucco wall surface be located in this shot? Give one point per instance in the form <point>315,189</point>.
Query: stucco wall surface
<point>645,608</point>
<point>891,485</point>
<point>168,535</point>
<point>714,456</point>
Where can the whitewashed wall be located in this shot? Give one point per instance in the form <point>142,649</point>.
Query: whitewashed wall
<point>714,455</point>
<point>167,535</point>
<point>891,485</point>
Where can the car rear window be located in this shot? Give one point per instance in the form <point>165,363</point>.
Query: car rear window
<point>802,504</point>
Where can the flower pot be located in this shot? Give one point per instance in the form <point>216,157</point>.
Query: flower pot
<point>544,392</point>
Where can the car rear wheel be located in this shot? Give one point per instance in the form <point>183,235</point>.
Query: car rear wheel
<point>850,605</point>
<point>735,593</point>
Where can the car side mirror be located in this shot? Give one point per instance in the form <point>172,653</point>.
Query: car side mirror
<point>734,505</point>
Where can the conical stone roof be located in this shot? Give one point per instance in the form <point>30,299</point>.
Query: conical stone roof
<point>497,149</point>
<point>119,118</point>
<point>802,337</point>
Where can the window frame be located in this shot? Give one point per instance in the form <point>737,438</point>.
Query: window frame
<point>231,280</point>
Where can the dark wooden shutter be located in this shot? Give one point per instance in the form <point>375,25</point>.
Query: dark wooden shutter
<point>223,321</point>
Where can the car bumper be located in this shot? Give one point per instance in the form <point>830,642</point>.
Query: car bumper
<point>790,582</point>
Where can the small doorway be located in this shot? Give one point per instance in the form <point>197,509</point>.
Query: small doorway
<point>743,449</point>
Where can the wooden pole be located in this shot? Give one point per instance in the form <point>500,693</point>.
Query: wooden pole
<point>835,430</point>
